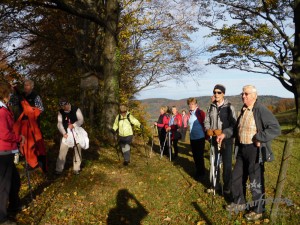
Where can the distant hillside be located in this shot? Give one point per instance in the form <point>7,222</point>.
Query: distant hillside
<point>153,105</point>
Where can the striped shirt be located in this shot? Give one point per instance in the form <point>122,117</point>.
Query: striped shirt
<point>247,127</point>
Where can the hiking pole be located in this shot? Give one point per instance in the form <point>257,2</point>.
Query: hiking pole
<point>170,146</point>
<point>163,147</point>
<point>75,146</point>
<point>216,170</point>
<point>212,164</point>
<point>28,176</point>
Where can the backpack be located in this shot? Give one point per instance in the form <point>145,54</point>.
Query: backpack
<point>128,118</point>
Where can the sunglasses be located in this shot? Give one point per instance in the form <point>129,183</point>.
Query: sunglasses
<point>217,92</point>
<point>245,93</point>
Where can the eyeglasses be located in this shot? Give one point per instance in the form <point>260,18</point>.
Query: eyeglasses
<point>245,93</point>
<point>217,92</point>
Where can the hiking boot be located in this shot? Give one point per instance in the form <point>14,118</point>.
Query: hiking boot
<point>57,172</point>
<point>235,207</point>
<point>126,163</point>
<point>253,216</point>
<point>226,192</point>
<point>209,190</point>
<point>76,172</point>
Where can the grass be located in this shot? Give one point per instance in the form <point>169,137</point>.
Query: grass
<point>148,191</point>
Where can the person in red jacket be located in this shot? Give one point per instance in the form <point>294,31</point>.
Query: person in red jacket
<point>9,175</point>
<point>175,124</point>
<point>185,122</point>
<point>162,123</point>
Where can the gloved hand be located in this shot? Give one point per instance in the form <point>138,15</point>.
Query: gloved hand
<point>217,132</point>
<point>142,127</point>
<point>210,132</point>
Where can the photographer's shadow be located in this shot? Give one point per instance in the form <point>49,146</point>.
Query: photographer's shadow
<point>128,210</point>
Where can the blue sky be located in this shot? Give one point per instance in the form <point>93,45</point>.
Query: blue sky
<point>233,80</point>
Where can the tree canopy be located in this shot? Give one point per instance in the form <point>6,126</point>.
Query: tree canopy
<point>102,51</point>
<point>256,36</point>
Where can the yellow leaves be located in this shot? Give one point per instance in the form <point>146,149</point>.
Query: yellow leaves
<point>158,52</point>
<point>202,222</point>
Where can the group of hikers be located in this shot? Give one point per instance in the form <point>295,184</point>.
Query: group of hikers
<point>251,133</point>
<point>20,133</point>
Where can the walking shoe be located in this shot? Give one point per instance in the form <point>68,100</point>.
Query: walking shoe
<point>235,207</point>
<point>126,163</point>
<point>253,216</point>
<point>226,192</point>
<point>76,172</point>
<point>209,190</point>
<point>57,172</point>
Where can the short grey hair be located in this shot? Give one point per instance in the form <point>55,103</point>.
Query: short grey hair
<point>252,87</point>
<point>31,82</point>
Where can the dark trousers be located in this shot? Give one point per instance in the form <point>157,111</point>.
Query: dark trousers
<point>175,146</point>
<point>198,155</point>
<point>162,139</point>
<point>247,166</point>
<point>9,185</point>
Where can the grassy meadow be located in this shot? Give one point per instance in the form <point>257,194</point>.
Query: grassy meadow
<point>149,191</point>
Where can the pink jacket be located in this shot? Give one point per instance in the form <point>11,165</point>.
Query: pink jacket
<point>8,138</point>
<point>185,120</point>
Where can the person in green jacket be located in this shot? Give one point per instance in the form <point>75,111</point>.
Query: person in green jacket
<point>123,125</point>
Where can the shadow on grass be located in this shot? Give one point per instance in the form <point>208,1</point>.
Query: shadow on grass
<point>189,166</point>
<point>201,213</point>
<point>127,211</point>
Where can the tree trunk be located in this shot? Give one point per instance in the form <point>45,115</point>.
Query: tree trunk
<point>296,61</point>
<point>110,67</point>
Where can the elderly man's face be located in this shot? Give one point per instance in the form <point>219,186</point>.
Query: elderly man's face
<point>66,107</point>
<point>248,96</point>
<point>28,87</point>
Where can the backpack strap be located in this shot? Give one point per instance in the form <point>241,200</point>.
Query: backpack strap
<point>128,118</point>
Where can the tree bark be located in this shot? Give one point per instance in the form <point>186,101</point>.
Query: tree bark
<point>296,61</point>
<point>110,67</point>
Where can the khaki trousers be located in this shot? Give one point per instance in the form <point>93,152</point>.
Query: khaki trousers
<point>61,160</point>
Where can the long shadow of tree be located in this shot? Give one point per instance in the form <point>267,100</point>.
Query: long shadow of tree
<point>127,211</point>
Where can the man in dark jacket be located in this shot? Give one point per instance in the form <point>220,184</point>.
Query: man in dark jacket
<point>256,128</point>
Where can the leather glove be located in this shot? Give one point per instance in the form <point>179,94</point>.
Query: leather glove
<point>210,132</point>
<point>217,132</point>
